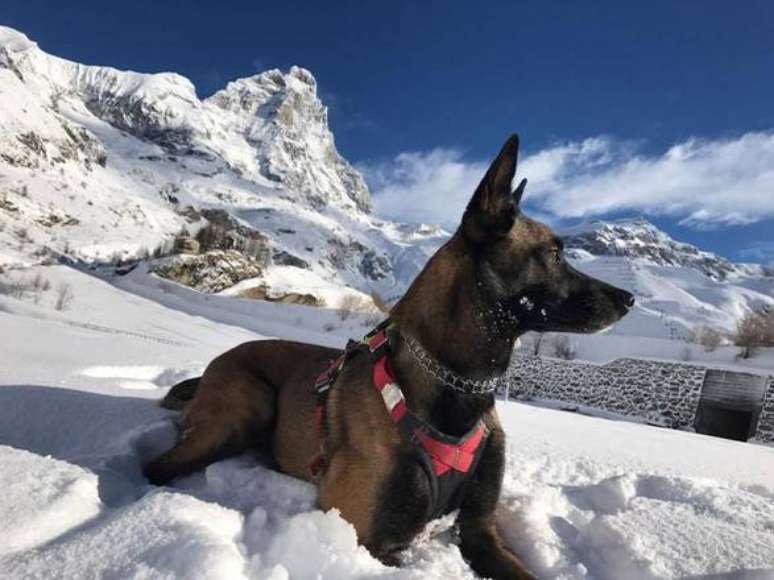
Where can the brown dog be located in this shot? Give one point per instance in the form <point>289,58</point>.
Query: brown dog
<point>395,457</point>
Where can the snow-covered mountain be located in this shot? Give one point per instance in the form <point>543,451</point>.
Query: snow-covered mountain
<point>639,238</point>
<point>99,164</point>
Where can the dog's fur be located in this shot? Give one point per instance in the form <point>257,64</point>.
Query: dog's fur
<point>500,275</point>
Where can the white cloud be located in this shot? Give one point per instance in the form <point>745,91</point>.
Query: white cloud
<point>704,183</point>
<point>429,187</point>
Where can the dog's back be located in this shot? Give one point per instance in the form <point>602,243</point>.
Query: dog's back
<point>234,405</point>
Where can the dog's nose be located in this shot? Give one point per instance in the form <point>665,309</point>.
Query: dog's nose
<point>627,298</point>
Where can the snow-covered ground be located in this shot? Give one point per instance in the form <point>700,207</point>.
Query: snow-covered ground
<point>584,497</point>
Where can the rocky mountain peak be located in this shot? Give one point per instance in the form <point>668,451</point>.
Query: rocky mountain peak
<point>641,239</point>
<point>246,96</point>
<point>100,165</point>
<point>270,128</point>
<point>282,117</point>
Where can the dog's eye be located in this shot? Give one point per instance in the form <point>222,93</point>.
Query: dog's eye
<point>556,254</point>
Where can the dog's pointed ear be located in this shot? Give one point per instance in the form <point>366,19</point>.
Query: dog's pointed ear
<point>493,208</point>
<point>519,192</point>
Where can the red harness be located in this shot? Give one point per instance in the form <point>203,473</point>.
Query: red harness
<point>448,461</point>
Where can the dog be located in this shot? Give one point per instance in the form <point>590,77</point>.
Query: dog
<point>402,428</point>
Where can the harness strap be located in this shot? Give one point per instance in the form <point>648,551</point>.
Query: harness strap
<point>324,382</point>
<point>322,386</point>
<point>391,394</point>
<point>458,456</point>
<point>443,454</point>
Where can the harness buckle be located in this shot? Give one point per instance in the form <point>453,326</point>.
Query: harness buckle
<point>378,344</point>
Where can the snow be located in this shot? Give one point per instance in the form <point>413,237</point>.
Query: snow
<point>583,497</point>
<point>161,535</point>
<point>638,237</point>
<point>38,499</point>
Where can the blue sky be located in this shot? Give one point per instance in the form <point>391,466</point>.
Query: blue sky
<point>640,107</point>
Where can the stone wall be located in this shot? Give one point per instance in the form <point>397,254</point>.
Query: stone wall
<point>659,392</point>
<point>765,432</point>
<point>662,393</point>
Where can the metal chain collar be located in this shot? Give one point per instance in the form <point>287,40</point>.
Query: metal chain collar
<point>447,377</point>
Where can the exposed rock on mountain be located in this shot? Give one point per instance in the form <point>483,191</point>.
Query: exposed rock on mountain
<point>639,238</point>
<point>98,164</point>
<point>213,271</point>
<point>282,118</point>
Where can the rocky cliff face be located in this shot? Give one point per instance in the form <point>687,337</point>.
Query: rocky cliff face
<point>282,118</point>
<point>271,125</point>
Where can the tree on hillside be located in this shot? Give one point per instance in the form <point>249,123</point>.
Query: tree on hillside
<point>754,330</point>
<point>710,338</point>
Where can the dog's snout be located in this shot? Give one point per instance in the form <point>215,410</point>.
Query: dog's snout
<point>626,298</point>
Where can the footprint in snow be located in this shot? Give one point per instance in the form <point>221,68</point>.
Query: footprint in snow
<point>139,377</point>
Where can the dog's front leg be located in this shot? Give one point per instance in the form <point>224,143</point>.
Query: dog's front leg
<point>482,545</point>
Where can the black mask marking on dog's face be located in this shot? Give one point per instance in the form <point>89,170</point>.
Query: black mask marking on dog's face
<point>521,267</point>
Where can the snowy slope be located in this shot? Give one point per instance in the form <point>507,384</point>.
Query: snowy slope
<point>584,498</point>
<point>98,164</point>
